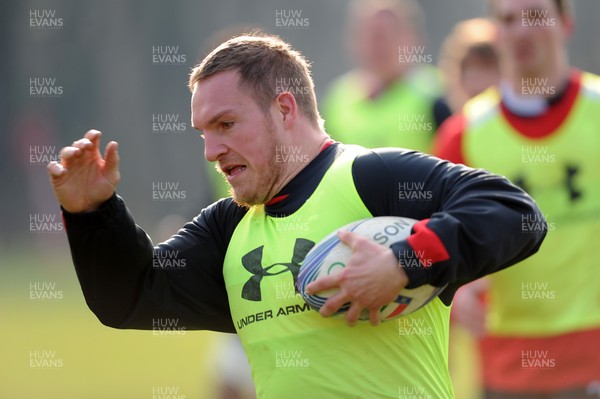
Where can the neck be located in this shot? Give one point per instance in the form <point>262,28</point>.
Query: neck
<point>552,79</point>
<point>296,155</point>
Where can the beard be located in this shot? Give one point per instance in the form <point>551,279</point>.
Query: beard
<point>259,188</point>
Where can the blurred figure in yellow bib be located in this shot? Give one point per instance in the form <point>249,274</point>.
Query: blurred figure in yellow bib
<point>539,128</point>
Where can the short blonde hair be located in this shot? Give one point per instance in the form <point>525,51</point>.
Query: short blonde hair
<point>262,61</point>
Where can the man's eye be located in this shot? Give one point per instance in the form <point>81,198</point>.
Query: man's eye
<point>226,125</point>
<point>508,20</point>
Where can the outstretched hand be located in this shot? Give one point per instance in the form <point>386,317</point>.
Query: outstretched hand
<point>372,278</point>
<point>83,180</point>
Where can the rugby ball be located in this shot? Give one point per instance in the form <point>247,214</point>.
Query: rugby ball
<point>330,256</point>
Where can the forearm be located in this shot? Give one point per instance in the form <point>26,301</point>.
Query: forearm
<point>110,254</point>
<point>128,283</point>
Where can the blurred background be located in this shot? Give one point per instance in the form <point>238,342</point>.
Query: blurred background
<point>122,68</point>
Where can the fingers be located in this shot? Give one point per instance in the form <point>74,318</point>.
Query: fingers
<point>333,304</point>
<point>89,142</point>
<point>342,298</point>
<point>68,154</point>
<point>82,144</point>
<point>333,281</point>
<point>357,244</point>
<point>349,238</point>
<point>353,314</point>
<point>55,169</point>
<point>323,283</point>
<point>111,156</point>
<point>93,135</point>
<point>374,317</point>
<point>71,153</point>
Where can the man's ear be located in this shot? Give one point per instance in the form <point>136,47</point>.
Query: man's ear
<point>287,108</point>
<point>568,25</point>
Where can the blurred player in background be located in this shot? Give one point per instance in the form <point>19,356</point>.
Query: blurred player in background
<point>232,369</point>
<point>390,99</point>
<point>468,61</point>
<point>540,128</point>
<point>469,64</point>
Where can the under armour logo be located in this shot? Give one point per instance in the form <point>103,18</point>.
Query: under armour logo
<point>574,194</point>
<point>571,172</point>
<point>252,262</point>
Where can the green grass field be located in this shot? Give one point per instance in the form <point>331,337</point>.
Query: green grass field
<point>56,348</point>
<point>74,356</point>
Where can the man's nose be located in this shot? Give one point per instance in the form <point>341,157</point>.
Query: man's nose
<point>214,147</point>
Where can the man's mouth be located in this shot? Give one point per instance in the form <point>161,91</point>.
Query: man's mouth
<point>233,170</point>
